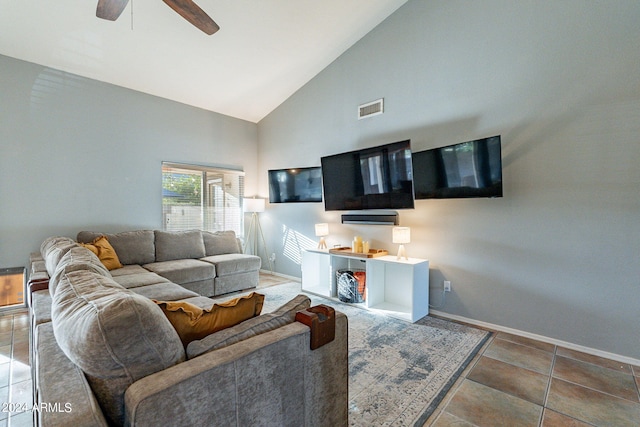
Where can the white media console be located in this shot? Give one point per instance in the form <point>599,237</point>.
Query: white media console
<point>398,288</point>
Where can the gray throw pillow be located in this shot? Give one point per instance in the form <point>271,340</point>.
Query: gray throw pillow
<point>171,245</point>
<point>221,242</point>
<point>132,247</point>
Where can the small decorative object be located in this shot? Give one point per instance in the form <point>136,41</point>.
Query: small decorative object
<point>365,247</point>
<point>357,245</point>
<point>322,230</point>
<point>401,235</point>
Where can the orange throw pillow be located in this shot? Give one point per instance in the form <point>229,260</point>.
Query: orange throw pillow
<point>194,323</point>
<point>104,251</point>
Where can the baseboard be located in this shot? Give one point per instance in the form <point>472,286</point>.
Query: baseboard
<point>284,276</point>
<point>571,346</point>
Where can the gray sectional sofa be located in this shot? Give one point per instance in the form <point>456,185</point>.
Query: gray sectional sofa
<point>203,262</point>
<point>103,353</point>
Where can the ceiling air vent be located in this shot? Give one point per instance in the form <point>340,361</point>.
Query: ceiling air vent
<point>371,109</point>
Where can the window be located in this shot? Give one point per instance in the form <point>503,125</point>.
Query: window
<point>201,197</point>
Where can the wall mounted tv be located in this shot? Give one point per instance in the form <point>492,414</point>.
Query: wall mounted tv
<point>468,169</point>
<point>295,185</point>
<point>371,178</point>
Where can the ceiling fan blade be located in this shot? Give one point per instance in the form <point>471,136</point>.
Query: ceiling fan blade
<point>192,13</point>
<point>110,9</point>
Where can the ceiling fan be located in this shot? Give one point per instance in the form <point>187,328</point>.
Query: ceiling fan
<point>111,10</point>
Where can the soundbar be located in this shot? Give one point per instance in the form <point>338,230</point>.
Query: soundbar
<point>372,219</point>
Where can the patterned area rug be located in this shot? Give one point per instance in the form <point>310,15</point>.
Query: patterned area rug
<point>398,371</point>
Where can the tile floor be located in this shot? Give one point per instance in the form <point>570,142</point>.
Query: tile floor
<point>513,381</point>
<point>15,373</point>
<point>516,381</point>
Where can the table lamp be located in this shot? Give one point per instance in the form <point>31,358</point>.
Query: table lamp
<point>401,235</point>
<point>322,230</point>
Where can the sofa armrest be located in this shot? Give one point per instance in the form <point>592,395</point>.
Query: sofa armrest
<point>36,283</point>
<point>270,379</point>
<point>38,276</point>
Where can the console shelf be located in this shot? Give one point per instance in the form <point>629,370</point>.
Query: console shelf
<point>397,288</point>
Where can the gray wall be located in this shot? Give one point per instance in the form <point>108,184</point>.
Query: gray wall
<point>79,154</point>
<point>560,81</point>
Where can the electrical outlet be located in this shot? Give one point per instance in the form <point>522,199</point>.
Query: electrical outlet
<point>272,258</point>
<point>447,286</point>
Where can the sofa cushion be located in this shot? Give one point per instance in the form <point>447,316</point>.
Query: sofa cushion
<point>258,325</point>
<point>234,263</point>
<point>38,266</point>
<point>194,323</point>
<point>40,307</point>
<point>53,249</point>
<point>201,287</point>
<point>55,376</point>
<point>77,258</point>
<point>164,291</point>
<point>172,245</point>
<point>115,336</point>
<point>104,251</point>
<point>183,270</point>
<point>236,282</point>
<point>132,247</point>
<point>128,269</point>
<point>220,242</point>
<point>129,281</point>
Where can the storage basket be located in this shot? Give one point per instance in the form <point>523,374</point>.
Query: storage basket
<point>351,285</point>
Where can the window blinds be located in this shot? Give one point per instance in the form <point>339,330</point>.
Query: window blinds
<point>202,197</point>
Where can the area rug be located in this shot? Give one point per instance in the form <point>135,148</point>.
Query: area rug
<point>398,371</point>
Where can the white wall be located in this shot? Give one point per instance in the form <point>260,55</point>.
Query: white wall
<point>558,255</point>
<point>79,154</point>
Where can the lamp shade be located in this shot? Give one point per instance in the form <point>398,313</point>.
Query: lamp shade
<point>401,235</point>
<point>322,229</point>
<point>253,205</point>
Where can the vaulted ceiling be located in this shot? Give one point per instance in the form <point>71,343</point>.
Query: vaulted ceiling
<point>264,51</point>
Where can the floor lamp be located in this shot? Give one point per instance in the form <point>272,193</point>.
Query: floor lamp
<point>254,207</point>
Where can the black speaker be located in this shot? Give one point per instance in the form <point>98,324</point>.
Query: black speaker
<point>373,219</point>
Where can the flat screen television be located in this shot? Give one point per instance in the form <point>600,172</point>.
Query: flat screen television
<point>372,178</point>
<point>467,169</point>
<point>295,185</point>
